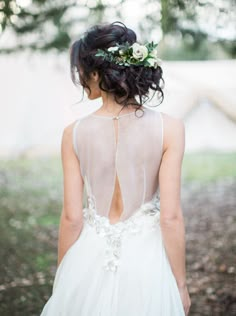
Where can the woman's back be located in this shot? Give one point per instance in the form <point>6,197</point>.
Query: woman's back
<point>119,160</point>
<point>130,166</point>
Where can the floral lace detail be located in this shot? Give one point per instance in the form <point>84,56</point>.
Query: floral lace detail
<point>113,233</point>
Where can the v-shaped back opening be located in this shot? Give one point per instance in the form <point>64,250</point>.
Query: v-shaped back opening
<point>116,206</point>
<point>120,160</point>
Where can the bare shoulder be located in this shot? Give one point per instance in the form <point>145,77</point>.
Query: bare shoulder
<point>172,124</point>
<point>67,134</point>
<point>174,131</point>
<point>67,137</point>
<point>68,129</point>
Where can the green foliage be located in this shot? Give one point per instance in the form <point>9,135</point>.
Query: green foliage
<point>43,261</point>
<point>53,25</point>
<point>209,166</point>
<point>30,206</point>
<point>45,19</point>
<point>127,55</point>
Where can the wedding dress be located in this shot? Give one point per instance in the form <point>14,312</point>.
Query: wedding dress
<point>119,268</point>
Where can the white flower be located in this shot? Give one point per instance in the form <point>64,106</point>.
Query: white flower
<point>113,49</point>
<point>121,52</point>
<point>154,53</point>
<point>154,62</point>
<point>140,52</point>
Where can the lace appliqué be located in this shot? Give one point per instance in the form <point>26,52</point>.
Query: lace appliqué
<point>113,233</point>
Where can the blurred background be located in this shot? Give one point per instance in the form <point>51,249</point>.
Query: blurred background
<point>197,43</point>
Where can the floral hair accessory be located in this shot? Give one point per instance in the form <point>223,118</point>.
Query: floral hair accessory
<point>136,54</point>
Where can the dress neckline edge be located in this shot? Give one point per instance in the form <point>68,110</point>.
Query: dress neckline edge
<point>113,116</point>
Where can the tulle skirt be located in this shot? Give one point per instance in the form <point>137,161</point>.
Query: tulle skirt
<point>116,270</point>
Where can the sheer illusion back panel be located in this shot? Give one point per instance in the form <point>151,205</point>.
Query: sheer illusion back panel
<point>127,153</point>
<point>116,206</point>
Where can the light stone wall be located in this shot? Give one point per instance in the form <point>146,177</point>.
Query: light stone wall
<point>38,99</point>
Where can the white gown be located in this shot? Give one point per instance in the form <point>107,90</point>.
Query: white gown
<point>118,269</point>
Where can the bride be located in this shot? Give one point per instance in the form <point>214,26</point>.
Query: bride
<point>123,253</point>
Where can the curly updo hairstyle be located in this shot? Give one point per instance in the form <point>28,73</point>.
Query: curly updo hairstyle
<point>124,82</point>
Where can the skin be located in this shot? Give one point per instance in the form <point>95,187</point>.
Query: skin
<point>171,219</point>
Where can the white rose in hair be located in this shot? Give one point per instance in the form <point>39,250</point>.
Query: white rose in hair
<point>113,49</point>
<point>154,53</point>
<point>140,52</point>
<point>154,62</point>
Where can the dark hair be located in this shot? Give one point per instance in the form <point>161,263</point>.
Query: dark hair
<point>124,82</point>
